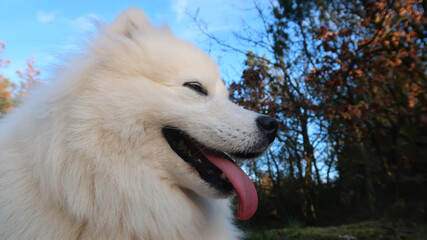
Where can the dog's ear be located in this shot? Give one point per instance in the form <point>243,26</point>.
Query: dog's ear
<point>130,22</point>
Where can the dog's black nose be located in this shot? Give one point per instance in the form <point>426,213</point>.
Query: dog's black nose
<point>268,125</point>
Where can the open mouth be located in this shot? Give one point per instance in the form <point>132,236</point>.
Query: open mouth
<point>191,152</point>
<point>217,169</point>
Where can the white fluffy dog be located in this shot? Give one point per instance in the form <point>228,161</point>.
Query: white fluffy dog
<point>133,140</point>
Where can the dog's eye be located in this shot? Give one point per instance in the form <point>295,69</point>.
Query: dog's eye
<point>196,86</point>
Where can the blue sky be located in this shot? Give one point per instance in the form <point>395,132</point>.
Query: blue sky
<point>50,29</point>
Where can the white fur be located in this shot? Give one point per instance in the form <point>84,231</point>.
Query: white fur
<point>84,157</point>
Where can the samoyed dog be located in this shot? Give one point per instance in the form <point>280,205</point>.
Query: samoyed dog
<point>134,139</point>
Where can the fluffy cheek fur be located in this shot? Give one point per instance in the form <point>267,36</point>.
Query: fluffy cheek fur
<point>114,143</point>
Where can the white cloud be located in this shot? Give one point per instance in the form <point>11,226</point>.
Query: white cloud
<point>87,23</point>
<point>179,7</point>
<point>44,17</point>
<point>218,15</point>
<point>220,18</point>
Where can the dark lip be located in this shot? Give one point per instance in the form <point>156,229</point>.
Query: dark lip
<point>247,155</point>
<point>207,171</point>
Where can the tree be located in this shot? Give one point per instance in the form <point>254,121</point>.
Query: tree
<point>276,82</point>
<point>371,86</point>
<point>11,92</point>
<point>6,88</point>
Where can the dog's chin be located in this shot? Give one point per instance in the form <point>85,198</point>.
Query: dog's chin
<point>216,184</point>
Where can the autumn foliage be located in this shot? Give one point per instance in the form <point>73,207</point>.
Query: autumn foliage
<point>12,91</point>
<point>377,72</point>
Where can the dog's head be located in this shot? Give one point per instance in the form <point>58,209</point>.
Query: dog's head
<point>160,92</point>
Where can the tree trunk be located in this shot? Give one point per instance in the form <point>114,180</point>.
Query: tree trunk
<point>310,208</point>
<point>370,190</point>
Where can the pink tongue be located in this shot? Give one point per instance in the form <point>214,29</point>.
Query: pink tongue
<point>245,189</point>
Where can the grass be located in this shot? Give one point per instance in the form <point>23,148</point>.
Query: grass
<point>371,230</point>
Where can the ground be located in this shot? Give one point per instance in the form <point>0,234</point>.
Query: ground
<point>370,230</point>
